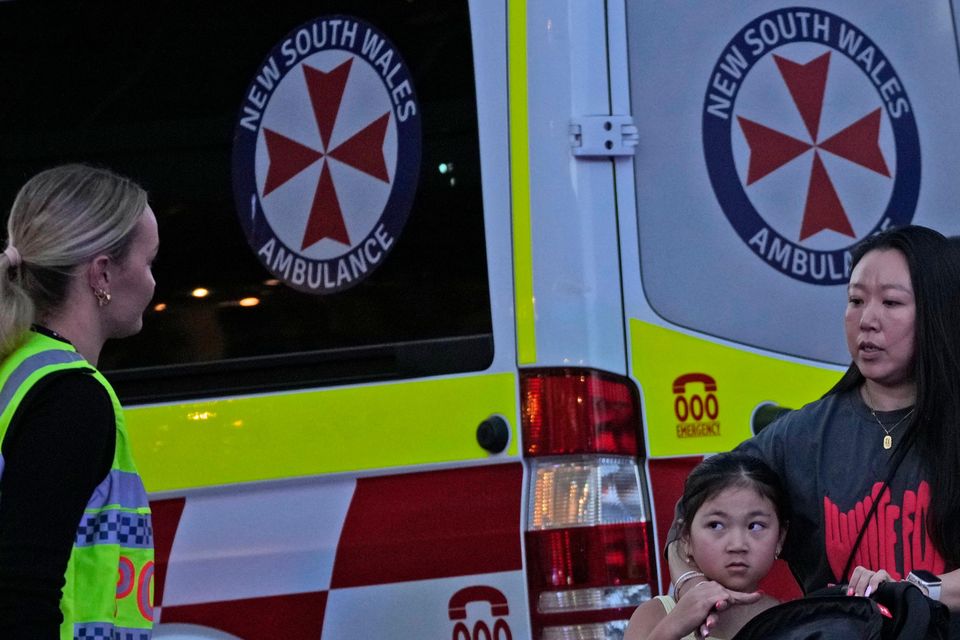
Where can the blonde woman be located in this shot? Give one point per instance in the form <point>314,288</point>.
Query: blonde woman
<point>76,548</point>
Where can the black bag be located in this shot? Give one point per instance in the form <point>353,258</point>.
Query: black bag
<point>829,613</point>
<point>913,614</point>
<point>815,617</point>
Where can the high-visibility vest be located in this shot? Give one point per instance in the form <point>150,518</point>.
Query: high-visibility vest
<point>109,578</point>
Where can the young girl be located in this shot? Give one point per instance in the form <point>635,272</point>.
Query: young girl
<point>735,529</point>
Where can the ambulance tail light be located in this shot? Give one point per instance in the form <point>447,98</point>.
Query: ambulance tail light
<point>578,411</point>
<point>589,544</point>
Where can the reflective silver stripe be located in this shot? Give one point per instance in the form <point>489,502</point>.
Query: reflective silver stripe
<point>31,365</point>
<point>121,488</point>
<point>104,631</point>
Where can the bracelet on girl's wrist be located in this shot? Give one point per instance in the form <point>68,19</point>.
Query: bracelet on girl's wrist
<point>683,579</point>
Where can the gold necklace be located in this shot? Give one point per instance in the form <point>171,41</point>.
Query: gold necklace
<point>887,439</point>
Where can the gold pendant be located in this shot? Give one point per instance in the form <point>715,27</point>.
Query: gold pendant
<point>887,442</point>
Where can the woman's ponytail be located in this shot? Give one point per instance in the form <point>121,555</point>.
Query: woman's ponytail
<point>16,308</point>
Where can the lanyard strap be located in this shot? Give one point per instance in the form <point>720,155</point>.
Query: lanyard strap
<point>899,454</point>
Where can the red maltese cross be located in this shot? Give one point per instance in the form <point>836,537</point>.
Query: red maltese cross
<point>362,151</point>
<point>771,149</point>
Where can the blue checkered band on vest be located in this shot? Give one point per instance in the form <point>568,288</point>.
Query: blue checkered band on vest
<point>115,527</point>
<point>100,631</point>
<point>110,519</point>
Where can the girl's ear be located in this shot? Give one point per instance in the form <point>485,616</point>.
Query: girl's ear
<point>684,548</point>
<point>783,536</point>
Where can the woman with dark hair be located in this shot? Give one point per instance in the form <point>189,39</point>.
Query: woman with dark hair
<point>872,467</point>
<point>922,383</point>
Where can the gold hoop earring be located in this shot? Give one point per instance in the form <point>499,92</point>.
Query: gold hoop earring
<point>103,298</point>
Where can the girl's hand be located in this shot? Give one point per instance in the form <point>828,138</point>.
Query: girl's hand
<point>863,581</point>
<point>697,610</point>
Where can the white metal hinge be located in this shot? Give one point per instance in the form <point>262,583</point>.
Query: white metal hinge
<point>604,136</point>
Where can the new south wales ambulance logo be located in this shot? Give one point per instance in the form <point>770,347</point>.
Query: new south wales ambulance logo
<point>810,141</point>
<point>327,154</point>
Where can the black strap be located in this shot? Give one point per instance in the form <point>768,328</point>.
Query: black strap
<point>899,454</point>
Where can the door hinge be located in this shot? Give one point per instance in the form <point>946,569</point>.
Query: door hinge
<point>603,136</point>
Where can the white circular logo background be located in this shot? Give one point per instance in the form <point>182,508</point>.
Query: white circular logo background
<point>326,154</point>
<point>362,198</point>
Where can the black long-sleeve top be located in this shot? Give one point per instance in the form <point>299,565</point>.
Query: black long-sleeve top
<point>58,448</point>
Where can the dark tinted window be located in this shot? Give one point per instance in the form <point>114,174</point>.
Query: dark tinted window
<point>154,90</point>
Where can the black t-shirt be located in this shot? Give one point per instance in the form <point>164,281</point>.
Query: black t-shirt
<point>830,456</point>
<point>58,448</point>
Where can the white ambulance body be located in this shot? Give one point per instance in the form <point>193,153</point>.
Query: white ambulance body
<point>482,280</point>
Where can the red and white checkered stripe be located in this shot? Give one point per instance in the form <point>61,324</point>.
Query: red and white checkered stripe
<point>343,557</point>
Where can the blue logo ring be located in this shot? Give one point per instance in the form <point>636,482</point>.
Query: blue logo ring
<point>728,186</point>
<point>405,115</point>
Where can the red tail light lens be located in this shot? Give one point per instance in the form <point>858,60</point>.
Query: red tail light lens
<point>567,411</point>
<point>585,582</point>
<point>599,556</point>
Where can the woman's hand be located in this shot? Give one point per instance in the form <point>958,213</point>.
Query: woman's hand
<point>697,610</point>
<point>863,581</point>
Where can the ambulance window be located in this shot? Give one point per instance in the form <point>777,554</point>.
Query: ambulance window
<point>158,91</point>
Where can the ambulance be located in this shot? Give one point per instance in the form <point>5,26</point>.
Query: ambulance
<point>452,294</point>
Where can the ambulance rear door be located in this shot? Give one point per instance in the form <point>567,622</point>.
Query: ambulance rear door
<point>773,137</point>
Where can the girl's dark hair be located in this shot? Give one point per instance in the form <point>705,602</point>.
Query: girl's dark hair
<point>732,469</point>
<point>934,427</point>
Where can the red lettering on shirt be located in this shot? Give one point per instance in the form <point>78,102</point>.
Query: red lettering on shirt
<point>896,538</point>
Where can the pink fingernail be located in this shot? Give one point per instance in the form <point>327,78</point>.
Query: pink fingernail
<point>850,591</point>
<point>866,594</point>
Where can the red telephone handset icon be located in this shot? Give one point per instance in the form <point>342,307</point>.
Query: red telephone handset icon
<point>459,601</point>
<point>696,407</point>
<point>497,629</point>
<point>680,384</point>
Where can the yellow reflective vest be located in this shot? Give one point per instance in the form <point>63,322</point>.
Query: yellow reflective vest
<point>109,578</point>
